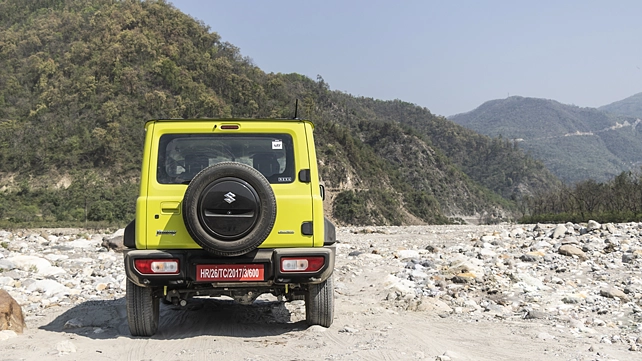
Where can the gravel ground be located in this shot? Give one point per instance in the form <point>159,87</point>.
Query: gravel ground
<point>507,292</point>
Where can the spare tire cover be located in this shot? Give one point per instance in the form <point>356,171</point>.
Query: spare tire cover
<point>229,208</point>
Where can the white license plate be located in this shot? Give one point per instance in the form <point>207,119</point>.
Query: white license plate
<point>230,272</point>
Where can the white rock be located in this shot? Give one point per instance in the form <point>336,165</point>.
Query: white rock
<point>65,347</point>
<point>7,334</point>
<point>542,244</point>
<point>530,283</point>
<point>593,225</point>
<point>402,286</point>
<point>48,287</point>
<point>51,271</point>
<point>559,231</point>
<point>517,232</point>
<point>29,263</point>
<point>487,253</point>
<point>83,243</point>
<point>488,238</point>
<point>56,257</point>
<point>461,263</point>
<point>407,254</point>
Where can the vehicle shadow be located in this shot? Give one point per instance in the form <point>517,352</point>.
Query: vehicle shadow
<point>106,319</point>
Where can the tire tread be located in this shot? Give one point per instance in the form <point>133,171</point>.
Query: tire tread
<point>319,303</point>
<point>142,310</point>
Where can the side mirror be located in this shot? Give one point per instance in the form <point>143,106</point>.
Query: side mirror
<point>322,190</point>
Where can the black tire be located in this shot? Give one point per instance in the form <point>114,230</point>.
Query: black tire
<point>143,310</point>
<point>319,303</point>
<point>202,223</point>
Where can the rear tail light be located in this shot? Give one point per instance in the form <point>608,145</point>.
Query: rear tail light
<point>302,264</point>
<point>156,266</point>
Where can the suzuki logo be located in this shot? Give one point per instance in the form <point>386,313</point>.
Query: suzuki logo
<point>229,197</point>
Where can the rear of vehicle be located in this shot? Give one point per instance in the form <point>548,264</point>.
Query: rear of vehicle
<point>228,207</point>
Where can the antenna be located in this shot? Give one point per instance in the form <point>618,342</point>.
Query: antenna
<point>296,109</point>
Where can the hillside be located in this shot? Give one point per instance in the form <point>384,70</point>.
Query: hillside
<point>81,77</point>
<point>574,143</point>
<point>631,106</point>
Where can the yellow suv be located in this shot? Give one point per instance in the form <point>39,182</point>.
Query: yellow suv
<point>228,208</point>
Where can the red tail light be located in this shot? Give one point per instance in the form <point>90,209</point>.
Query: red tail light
<point>156,266</point>
<point>301,264</point>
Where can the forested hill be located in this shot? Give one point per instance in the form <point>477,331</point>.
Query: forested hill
<point>575,143</point>
<point>79,79</point>
<point>631,106</point>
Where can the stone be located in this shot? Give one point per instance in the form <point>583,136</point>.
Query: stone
<point>84,243</point>
<point>431,304</point>
<point>5,264</point>
<point>48,287</point>
<point>73,323</point>
<point>629,257</point>
<point>466,277</point>
<point>570,240</point>
<point>569,250</point>
<point>535,315</point>
<point>534,256</point>
<point>559,231</point>
<point>7,334</point>
<point>593,225</point>
<point>348,329</point>
<point>611,228</point>
<point>462,264</point>
<point>115,241</point>
<point>517,232</point>
<point>65,347</point>
<point>11,317</point>
<point>573,298</point>
<point>529,258</point>
<point>407,254</point>
<point>614,293</point>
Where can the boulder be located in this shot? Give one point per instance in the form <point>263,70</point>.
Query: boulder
<point>568,250</point>
<point>559,231</point>
<point>115,241</point>
<point>593,225</point>
<point>10,313</point>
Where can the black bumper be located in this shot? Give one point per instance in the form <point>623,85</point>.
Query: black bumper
<point>188,260</point>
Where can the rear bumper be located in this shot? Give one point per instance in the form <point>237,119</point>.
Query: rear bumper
<point>190,259</point>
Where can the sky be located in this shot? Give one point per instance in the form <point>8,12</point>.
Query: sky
<point>447,56</point>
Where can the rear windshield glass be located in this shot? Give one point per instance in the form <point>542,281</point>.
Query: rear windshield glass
<point>182,156</point>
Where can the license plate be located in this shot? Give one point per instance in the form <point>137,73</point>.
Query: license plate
<point>230,272</point>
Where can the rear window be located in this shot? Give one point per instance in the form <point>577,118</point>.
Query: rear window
<point>182,156</point>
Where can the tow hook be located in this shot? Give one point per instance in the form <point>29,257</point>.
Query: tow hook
<point>174,298</point>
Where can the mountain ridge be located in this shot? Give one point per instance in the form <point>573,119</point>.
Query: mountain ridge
<point>575,143</point>
<point>630,106</point>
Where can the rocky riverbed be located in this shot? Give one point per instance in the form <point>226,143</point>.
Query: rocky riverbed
<point>568,292</point>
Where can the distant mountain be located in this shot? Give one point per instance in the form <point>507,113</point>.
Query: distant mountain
<point>575,143</point>
<point>631,106</point>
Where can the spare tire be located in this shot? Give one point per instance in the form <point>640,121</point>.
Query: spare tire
<point>229,209</point>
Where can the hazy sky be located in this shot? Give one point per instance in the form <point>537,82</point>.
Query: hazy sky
<point>447,56</point>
